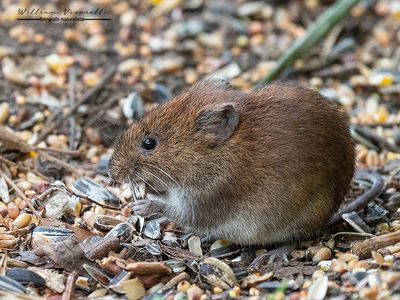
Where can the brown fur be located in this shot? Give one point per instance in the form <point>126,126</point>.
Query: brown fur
<point>280,176</point>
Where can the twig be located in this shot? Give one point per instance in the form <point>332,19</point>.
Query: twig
<point>11,141</point>
<point>364,135</point>
<point>20,193</point>
<point>61,163</point>
<point>74,153</point>
<point>69,287</point>
<point>23,168</point>
<point>315,32</point>
<point>331,40</point>
<point>175,280</point>
<point>351,233</point>
<point>101,110</point>
<point>71,103</point>
<point>85,98</point>
<point>363,248</point>
<point>178,253</point>
<point>3,264</point>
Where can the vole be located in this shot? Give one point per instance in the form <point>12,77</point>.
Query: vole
<point>264,167</point>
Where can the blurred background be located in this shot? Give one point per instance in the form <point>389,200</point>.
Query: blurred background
<point>159,47</point>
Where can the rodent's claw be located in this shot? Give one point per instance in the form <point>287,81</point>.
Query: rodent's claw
<point>282,256</point>
<point>148,207</point>
<point>280,253</point>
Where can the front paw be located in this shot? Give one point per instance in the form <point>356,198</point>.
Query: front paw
<point>149,207</point>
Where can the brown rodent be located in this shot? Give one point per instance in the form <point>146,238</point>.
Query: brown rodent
<point>264,167</point>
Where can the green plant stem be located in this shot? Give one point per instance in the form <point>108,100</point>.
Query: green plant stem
<point>315,33</point>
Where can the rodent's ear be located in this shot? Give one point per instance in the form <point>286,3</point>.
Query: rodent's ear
<point>218,124</point>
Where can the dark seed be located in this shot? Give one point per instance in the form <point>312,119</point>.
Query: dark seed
<point>133,107</point>
<point>26,276</point>
<point>90,189</point>
<point>99,275</point>
<point>355,221</point>
<point>161,93</point>
<point>124,231</point>
<point>9,284</point>
<point>152,229</point>
<point>375,213</point>
<point>269,285</point>
<point>102,166</point>
<point>153,249</point>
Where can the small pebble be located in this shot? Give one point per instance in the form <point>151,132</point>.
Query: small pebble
<point>325,265</point>
<point>249,8</point>
<point>194,292</point>
<point>24,185</point>
<point>13,210</point>
<point>279,295</point>
<point>91,78</point>
<point>128,18</point>
<point>3,210</point>
<point>346,257</point>
<point>255,27</point>
<point>210,40</point>
<point>56,142</point>
<point>338,266</point>
<point>33,179</point>
<point>381,115</point>
<point>129,65</point>
<point>307,284</point>
<point>93,136</point>
<point>254,292</point>
<point>22,221</point>
<point>372,158</point>
<point>191,76</point>
<point>389,259</point>
<point>298,254</point>
<point>294,296</point>
<point>316,82</point>
<point>369,293</point>
<point>378,258</point>
<point>183,286</point>
<point>168,64</point>
<point>391,277</point>
<point>381,80</point>
<point>395,248</point>
<point>363,264</point>
<point>217,290</point>
<point>4,112</point>
<point>96,42</point>
<point>383,227</point>
<point>311,251</point>
<point>352,263</point>
<point>317,274</point>
<point>59,63</point>
<point>322,254</point>
<point>333,285</point>
<point>12,120</point>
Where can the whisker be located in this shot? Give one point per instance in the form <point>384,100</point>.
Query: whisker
<point>149,185</point>
<point>132,188</point>
<point>110,182</point>
<point>162,181</point>
<point>161,170</point>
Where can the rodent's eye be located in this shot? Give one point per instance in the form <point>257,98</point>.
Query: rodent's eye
<point>149,143</point>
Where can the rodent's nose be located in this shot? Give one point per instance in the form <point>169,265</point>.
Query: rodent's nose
<point>118,169</point>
